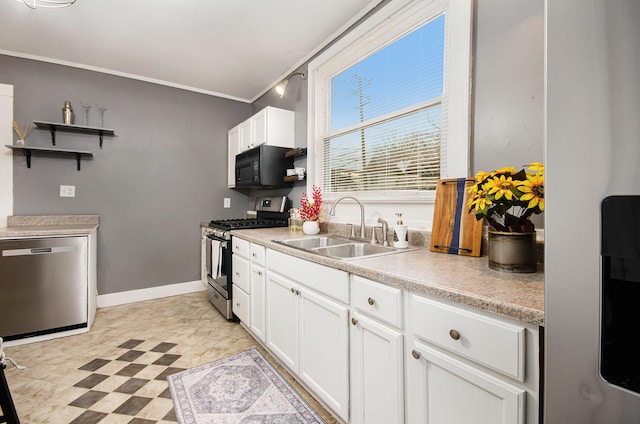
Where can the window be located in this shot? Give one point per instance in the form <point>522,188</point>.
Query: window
<point>384,120</point>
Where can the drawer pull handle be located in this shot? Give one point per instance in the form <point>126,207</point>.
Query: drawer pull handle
<point>254,255</point>
<point>293,290</point>
<point>297,292</point>
<point>371,301</point>
<point>260,273</point>
<point>454,334</point>
<point>354,321</point>
<point>415,354</point>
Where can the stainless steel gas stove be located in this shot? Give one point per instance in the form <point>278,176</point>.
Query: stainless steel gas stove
<point>270,212</point>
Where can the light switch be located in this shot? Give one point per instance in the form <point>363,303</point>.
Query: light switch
<point>67,191</point>
<point>227,202</point>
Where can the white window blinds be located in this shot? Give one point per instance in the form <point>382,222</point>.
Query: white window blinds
<point>384,126</point>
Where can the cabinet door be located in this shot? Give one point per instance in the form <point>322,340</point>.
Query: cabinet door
<point>377,384</point>
<point>444,390</point>
<point>282,319</point>
<point>259,127</point>
<point>257,302</point>
<point>241,272</point>
<point>233,141</point>
<point>246,135</point>
<point>241,305</point>
<point>324,350</point>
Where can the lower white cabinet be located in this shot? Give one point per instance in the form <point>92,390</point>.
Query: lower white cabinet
<point>257,301</point>
<point>309,333</point>
<point>241,304</point>
<point>376,367</point>
<point>324,347</point>
<point>444,390</point>
<point>282,319</point>
<point>465,365</point>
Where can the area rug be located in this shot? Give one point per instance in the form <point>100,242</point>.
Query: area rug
<point>242,388</point>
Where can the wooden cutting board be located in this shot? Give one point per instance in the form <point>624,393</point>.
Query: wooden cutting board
<point>454,230</point>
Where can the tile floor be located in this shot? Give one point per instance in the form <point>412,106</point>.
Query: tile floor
<point>113,374</point>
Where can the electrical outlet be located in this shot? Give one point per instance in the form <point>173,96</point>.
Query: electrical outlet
<point>67,191</point>
<point>227,202</point>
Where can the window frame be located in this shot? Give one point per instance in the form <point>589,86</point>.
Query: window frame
<point>393,21</point>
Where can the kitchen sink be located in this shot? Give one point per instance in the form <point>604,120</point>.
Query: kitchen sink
<point>314,242</point>
<point>340,247</point>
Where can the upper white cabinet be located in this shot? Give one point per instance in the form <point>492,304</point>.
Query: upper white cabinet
<point>233,139</point>
<point>270,126</point>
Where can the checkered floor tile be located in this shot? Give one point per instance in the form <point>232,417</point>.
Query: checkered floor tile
<point>133,386</point>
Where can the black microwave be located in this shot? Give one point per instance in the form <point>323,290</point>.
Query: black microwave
<point>263,167</point>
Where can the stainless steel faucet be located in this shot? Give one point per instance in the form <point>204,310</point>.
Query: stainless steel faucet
<point>332,212</point>
<point>385,229</point>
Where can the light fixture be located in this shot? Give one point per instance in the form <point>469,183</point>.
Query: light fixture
<point>34,4</point>
<point>280,88</point>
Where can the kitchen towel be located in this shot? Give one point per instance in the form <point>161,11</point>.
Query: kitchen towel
<point>216,259</point>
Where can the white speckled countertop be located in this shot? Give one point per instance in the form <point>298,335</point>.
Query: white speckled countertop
<point>461,279</point>
<point>48,225</point>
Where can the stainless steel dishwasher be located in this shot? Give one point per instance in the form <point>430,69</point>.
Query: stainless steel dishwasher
<point>43,286</point>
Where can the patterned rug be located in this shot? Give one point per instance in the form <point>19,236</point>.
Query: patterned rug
<point>242,388</point>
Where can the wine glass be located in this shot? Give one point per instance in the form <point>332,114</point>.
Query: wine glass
<point>87,107</point>
<point>102,109</point>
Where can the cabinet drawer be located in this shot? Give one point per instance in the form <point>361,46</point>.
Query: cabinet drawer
<point>241,273</point>
<point>329,281</point>
<point>241,304</point>
<point>257,254</point>
<point>240,247</point>
<point>494,343</point>
<point>377,300</point>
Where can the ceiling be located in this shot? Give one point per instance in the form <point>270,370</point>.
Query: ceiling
<point>236,49</point>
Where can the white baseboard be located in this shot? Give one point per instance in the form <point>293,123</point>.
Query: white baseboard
<point>132,296</point>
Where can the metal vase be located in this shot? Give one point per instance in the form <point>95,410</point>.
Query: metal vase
<point>513,252</point>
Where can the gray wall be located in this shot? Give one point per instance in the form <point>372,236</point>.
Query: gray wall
<point>508,88</point>
<point>152,184</point>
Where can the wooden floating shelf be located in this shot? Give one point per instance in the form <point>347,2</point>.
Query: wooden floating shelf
<point>294,178</point>
<point>81,129</point>
<point>28,150</point>
<point>297,152</point>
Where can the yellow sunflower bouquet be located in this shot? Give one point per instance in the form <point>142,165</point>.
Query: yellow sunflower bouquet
<point>507,198</point>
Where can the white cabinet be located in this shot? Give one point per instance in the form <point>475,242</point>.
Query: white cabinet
<point>445,390</point>
<point>468,366</point>
<point>323,349</point>
<point>307,329</point>
<point>270,126</point>
<point>376,356</point>
<point>241,277</point>
<point>233,148</point>
<point>258,291</point>
<point>377,384</point>
<point>283,319</point>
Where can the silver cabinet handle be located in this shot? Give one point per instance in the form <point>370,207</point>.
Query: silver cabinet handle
<point>454,334</point>
<point>354,321</point>
<point>415,354</point>
<point>293,290</point>
<point>297,292</point>
<point>371,301</point>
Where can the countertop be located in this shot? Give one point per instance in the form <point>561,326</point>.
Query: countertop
<point>461,279</point>
<point>21,226</point>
